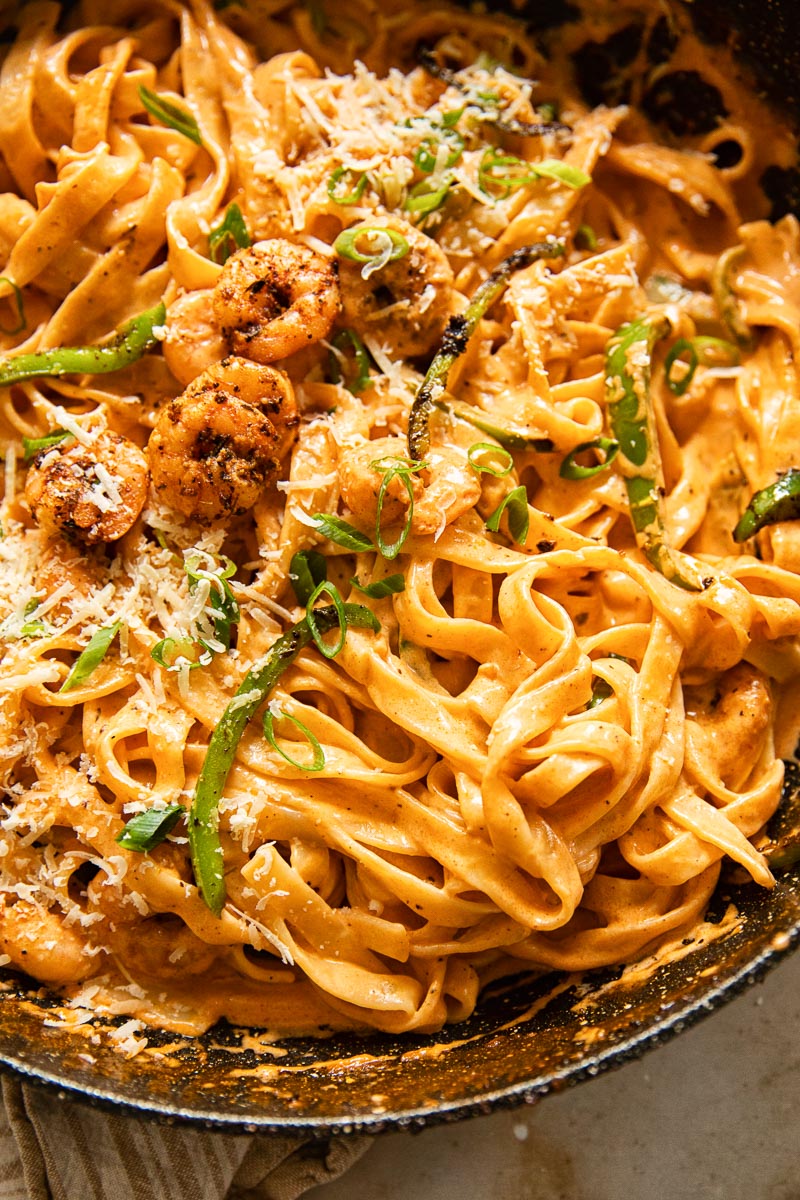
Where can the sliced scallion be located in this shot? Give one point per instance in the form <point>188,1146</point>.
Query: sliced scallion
<point>318,761</point>
<point>343,178</point>
<point>229,236</point>
<point>21,322</point>
<point>149,829</point>
<point>86,663</point>
<point>307,570</point>
<point>349,339</point>
<point>515,505</point>
<point>571,469</point>
<point>342,533</point>
<point>480,450</point>
<point>390,585</point>
<point>170,115</point>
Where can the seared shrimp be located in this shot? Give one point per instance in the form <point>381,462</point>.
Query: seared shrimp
<point>449,489</point>
<point>274,298</point>
<point>193,340</point>
<point>91,492</point>
<point>408,301</point>
<point>215,447</point>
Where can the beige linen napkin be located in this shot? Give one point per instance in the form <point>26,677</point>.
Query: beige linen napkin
<point>54,1149</point>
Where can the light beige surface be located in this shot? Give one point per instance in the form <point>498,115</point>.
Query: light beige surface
<point>715,1113</point>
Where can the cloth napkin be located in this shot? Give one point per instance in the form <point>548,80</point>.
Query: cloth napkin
<point>54,1149</point>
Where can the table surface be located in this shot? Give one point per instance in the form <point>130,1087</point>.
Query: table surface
<point>714,1113</point>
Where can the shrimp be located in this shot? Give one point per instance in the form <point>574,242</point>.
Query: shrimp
<point>89,491</point>
<point>42,944</point>
<point>216,447</point>
<point>449,489</point>
<point>408,301</point>
<point>193,339</point>
<point>274,298</point>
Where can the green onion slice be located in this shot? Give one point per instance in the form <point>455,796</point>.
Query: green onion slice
<point>91,657</point>
<point>586,238</point>
<point>372,245</point>
<point>148,829</point>
<point>229,236</point>
<point>344,177</point>
<point>427,157</point>
<point>21,322</point>
<point>505,172</point>
<point>402,469</point>
<point>480,450</point>
<point>778,502</point>
<point>349,339</point>
<point>342,533</point>
<point>318,761</point>
<point>307,570</point>
<point>516,502</point>
<point>390,585</point>
<point>705,351</point>
<point>325,587</point>
<point>169,114</point>
<point>571,469</point>
<point>204,841</point>
<point>32,446</point>
<point>169,652</point>
<point>428,195</point>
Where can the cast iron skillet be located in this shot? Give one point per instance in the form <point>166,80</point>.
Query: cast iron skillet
<point>533,1035</point>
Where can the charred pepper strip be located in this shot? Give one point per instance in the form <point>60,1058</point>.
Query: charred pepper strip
<point>778,502</point>
<point>454,341</point>
<point>204,842</point>
<point>632,421</point>
<point>132,341</point>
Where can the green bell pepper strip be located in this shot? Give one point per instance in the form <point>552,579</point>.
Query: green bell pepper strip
<point>454,342</point>
<point>778,502</point>
<point>132,341</point>
<point>203,823</point>
<point>633,424</point>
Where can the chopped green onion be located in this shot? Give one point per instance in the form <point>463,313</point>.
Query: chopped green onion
<point>554,168</point>
<point>225,611</point>
<point>342,533</point>
<point>483,448</point>
<point>778,502</point>
<point>402,469</point>
<point>725,299</point>
<point>92,656</point>
<point>349,337</point>
<point>449,119</point>
<point>390,585</point>
<point>172,653</point>
<point>427,157</point>
<point>518,517</point>
<point>21,322</point>
<point>149,829</point>
<point>340,179</point>
<point>701,350</point>
<point>319,755</point>
<point>428,195</point>
<point>331,590</point>
<point>169,114</point>
<point>506,172</point>
<point>570,469</point>
<point>585,238</point>
<point>509,439</point>
<point>307,570</point>
<point>130,344</point>
<point>229,236</point>
<point>456,336</point>
<point>385,244</point>
<point>36,627</point>
<point>602,689</point>
<point>204,841</point>
<point>32,446</point>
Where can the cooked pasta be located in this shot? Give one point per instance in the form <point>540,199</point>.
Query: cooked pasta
<point>400,557</point>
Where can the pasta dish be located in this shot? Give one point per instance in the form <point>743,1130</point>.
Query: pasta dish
<point>400,564</point>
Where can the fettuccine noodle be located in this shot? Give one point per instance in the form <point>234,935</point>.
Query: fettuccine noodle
<point>557,710</point>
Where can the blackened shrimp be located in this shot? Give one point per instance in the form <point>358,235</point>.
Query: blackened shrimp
<point>405,304</point>
<point>275,298</point>
<point>193,341</point>
<point>89,491</point>
<point>217,446</point>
